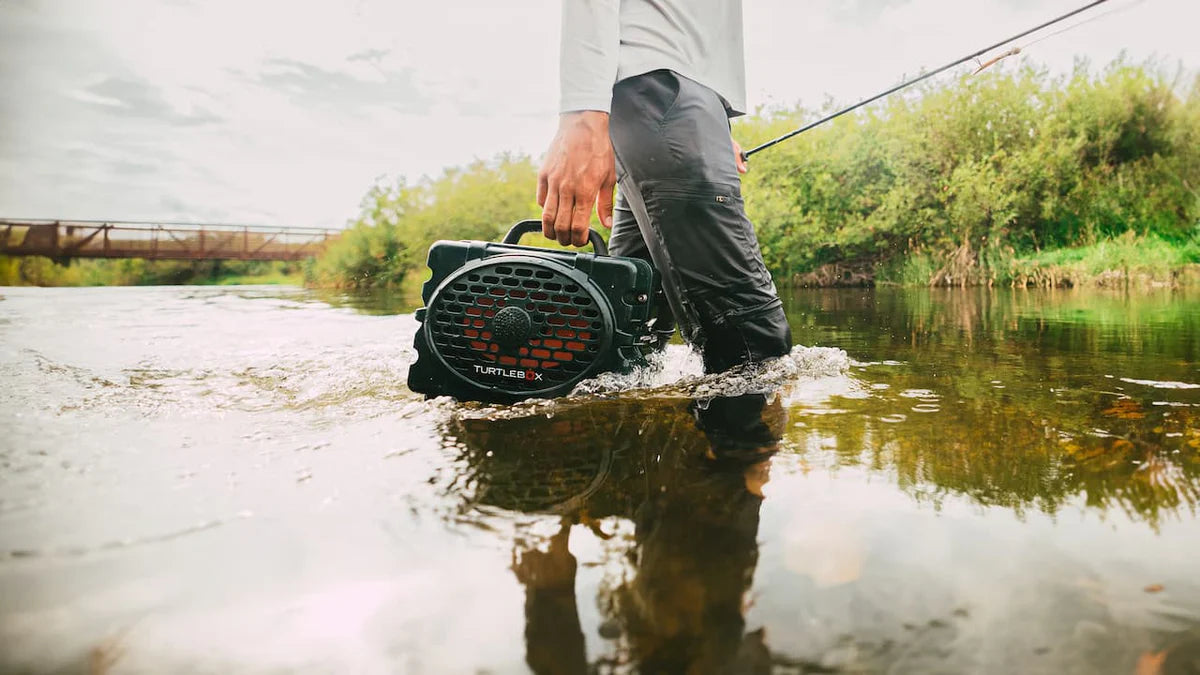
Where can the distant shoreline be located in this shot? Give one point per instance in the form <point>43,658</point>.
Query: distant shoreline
<point>1024,274</point>
<point>838,275</point>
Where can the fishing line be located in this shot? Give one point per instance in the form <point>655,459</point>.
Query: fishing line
<point>1101,15</point>
<point>926,76</point>
<point>1018,49</point>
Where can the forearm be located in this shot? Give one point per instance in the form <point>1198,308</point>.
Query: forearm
<point>589,54</point>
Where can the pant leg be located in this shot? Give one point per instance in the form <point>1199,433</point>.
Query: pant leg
<point>676,171</point>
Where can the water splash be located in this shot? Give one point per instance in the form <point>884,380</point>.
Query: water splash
<point>676,372</point>
<point>674,364</point>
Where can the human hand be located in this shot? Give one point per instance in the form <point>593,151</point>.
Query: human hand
<point>578,173</point>
<point>739,158</point>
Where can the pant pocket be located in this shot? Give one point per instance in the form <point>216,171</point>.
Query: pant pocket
<point>649,97</point>
<point>709,240</point>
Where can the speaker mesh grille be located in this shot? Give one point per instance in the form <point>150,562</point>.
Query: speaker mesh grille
<point>547,473</point>
<point>567,327</point>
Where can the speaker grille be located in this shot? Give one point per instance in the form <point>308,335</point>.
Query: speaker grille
<point>555,472</point>
<point>566,328</point>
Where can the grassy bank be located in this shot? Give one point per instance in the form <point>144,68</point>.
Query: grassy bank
<point>38,271</point>
<point>1128,260</point>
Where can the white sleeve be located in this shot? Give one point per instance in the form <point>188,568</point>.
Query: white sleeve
<point>591,38</point>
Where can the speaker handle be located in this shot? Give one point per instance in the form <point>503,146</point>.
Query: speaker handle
<point>527,226</point>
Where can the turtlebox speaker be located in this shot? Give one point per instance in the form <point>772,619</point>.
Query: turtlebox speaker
<point>504,322</point>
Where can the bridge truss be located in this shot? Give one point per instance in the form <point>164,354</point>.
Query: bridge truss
<point>62,239</point>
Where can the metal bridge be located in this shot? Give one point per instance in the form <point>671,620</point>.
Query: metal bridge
<point>64,239</point>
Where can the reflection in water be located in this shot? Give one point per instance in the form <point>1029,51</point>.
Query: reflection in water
<point>1015,399</point>
<point>697,546</point>
<point>375,302</point>
<point>689,475</point>
<point>1004,451</point>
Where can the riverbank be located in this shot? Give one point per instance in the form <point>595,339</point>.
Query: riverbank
<point>1144,262</point>
<point>1110,264</point>
<point>1126,261</point>
<point>40,271</point>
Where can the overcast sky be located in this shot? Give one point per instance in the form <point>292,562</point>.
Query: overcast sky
<point>285,111</point>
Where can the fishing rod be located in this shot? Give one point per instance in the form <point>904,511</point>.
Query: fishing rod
<point>908,83</point>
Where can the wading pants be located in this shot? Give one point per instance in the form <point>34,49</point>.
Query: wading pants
<point>679,205</point>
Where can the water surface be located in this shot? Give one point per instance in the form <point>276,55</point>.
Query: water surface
<point>237,480</point>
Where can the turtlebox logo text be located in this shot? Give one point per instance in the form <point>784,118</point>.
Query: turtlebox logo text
<point>511,373</point>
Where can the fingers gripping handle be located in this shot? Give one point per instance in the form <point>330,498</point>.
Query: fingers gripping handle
<point>526,226</point>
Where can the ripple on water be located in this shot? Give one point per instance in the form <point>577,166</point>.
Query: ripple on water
<point>128,542</point>
<point>1161,385</point>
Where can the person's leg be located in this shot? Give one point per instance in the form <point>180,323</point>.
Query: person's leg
<point>676,171</point>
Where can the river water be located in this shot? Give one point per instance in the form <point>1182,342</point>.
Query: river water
<point>218,480</point>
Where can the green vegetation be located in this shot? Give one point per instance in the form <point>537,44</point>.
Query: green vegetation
<point>1148,260</point>
<point>387,243</point>
<point>981,180</point>
<point>38,271</point>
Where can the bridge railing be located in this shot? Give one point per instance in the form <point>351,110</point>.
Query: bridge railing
<point>163,241</point>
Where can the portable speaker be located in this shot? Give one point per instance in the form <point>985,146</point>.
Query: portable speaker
<point>504,322</point>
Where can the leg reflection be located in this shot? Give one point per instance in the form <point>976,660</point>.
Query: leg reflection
<point>690,478</point>
<point>553,637</point>
<point>696,548</point>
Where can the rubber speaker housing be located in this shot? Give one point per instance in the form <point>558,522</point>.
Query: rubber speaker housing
<point>504,322</point>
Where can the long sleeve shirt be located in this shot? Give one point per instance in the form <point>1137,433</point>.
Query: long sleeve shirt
<point>606,41</point>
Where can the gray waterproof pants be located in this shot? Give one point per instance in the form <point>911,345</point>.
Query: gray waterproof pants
<point>679,205</point>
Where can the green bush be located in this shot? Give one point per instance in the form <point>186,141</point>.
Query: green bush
<point>399,221</point>
<point>954,183</point>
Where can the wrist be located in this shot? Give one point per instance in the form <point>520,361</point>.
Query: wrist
<point>594,119</point>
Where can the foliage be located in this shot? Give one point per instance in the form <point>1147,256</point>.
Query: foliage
<point>39,271</point>
<point>952,184</point>
<point>1148,260</point>
<point>399,221</point>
